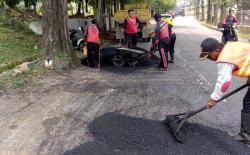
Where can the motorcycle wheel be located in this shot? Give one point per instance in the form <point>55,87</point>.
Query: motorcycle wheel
<point>118,61</point>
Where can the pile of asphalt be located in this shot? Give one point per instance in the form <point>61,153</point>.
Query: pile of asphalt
<point>120,134</point>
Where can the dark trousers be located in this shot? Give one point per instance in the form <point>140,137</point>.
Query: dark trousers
<point>163,50</point>
<point>171,45</point>
<point>131,40</point>
<point>246,102</point>
<point>93,55</point>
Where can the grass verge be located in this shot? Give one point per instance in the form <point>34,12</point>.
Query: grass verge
<point>244,35</point>
<point>9,81</point>
<point>17,46</point>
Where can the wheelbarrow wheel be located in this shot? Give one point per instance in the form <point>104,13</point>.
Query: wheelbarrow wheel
<point>118,61</point>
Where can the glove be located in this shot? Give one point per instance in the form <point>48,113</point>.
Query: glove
<point>211,103</point>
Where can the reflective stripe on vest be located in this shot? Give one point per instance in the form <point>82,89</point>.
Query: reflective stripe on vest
<point>245,69</point>
<point>93,34</point>
<point>164,30</point>
<point>131,26</point>
<point>237,53</point>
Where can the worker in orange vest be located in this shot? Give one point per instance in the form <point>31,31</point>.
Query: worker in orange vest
<point>162,40</point>
<point>232,59</point>
<point>92,39</point>
<point>130,27</point>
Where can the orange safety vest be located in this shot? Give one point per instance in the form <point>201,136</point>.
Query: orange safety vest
<point>237,53</point>
<point>93,34</point>
<point>131,26</point>
<point>164,33</point>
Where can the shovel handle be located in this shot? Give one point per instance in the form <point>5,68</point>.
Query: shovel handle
<point>233,92</point>
<point>224,97</point>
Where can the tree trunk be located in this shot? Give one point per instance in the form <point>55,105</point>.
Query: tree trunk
<point>202,10</point>
<point>55,30</point>
<point>26,4</point>
<point>86,9</point>
<point>35,4</point>
<point>79,8</point>
<point>115,5</point>
<point>98,13</point>
<point>122,4</point>
<point>223,11</point>
<point>239,6</point>
<point>209,9</point>
<point>197,12</point>
<point>216,9</point>
<point>110,13</point>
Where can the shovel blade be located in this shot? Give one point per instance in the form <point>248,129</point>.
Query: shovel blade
<point>173,123</point>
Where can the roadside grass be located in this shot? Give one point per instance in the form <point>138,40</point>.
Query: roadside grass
<point>244,35</point>
<point>10,81</point>
<point>16,46</point>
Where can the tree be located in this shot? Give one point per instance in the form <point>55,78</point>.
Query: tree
<point>197,9</point>
<point>216,10</point>
<point>29,3</point>
<point>202,10</point>
<point>79,6</point>
<point>161,6</point>
<point>12,3</point>
<point>98,12</point>
<point>209,10</point>
<point>245,4</point>
<point>1,3</point>
<point>55,30</point>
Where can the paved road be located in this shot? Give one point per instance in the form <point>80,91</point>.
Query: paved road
<point>119,110</point>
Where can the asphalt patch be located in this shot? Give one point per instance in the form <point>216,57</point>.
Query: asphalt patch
<point>117,134</point>
<point>172,122</point>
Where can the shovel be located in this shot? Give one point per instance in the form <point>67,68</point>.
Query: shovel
<point>175,123</point>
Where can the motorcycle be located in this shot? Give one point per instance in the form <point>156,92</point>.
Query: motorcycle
<point>229,31</point>
<point>76,37</point>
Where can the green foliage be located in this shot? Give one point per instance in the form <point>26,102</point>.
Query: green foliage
<point>1,3</point>
<point>134,1</point>
<point>162,6</point>
<point>12,3</point>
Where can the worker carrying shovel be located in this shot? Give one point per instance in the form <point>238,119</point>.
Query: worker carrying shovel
<point>161,39</point>
<point>232,59</point>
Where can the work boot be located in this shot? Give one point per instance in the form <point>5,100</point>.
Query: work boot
<point>244,135</point>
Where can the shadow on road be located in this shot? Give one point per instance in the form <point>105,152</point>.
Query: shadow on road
<point>115,133</point>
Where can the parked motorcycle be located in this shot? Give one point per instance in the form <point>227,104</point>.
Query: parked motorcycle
<point>76,37</point>
<point>229,31</point>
